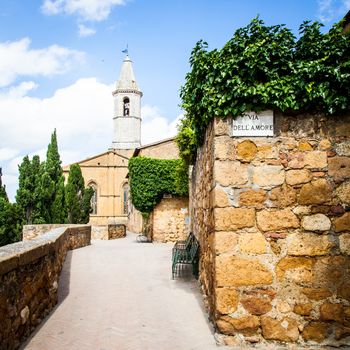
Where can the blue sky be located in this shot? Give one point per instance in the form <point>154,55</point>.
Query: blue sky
<point>59,60</point>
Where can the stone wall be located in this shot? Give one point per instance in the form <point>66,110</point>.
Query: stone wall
<point>201,210</point>
<point>32,231</point>
<point>29,275</point>
<point>273,221</point>
<point>169,220</point>
<point>164,149</point>
<point>135,220</point>
<point>116,231</point>
<point>104,232</point>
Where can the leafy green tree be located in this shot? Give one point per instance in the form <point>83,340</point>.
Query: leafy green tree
<point>77,197</point>
<point>3,193</point>
<point>10,218</point>
<point>29,191</point>
<point>86,205</point>
<point>52,185</point>
<point>10,222</point>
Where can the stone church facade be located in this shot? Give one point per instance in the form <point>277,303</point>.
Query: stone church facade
<point>107,172</point>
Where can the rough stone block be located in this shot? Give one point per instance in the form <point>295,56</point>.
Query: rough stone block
<point>343,148</point>
<point>297,177</point>
<point>258,302</point>
<point>344,243</point>
<point>284,307</point>
<point>343,290</point>
<point>296,160</point>
<point>283,196</point>
<point>252,243</point>
<point>273,220</point>
<point>315,331</point>
<point>220,198</point>
<point>228,173</point>
<point>343,192</point>
<point>309,244</point>
<point>267,151</point>
<point>339,167</point>
<point>347,313</point>
<point>315,159</point>
<point>317,222</point>
<point>330,269</point>
<point>229,219</point>
<point>252,198</point>
<point>305,146</point>
<point>232,271</point>
<point>316,192</point>
<point>224,148</point>
<point>342,223</point>
<point>325,145</point>
<point>221,126</point>
<point>246,151</point>
<point>268,176</point>
<point>247,325</point>
<point>286,330</point>
<point>331,312</point>
<point>226,300</point>
<point>303,309</point>
<point>302,210</point>
<point>296,269</point>
<point>317,293</point>
<point>225,241</point>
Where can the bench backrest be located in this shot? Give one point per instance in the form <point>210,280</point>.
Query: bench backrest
<point>194,249</point>
<point>189,240</point>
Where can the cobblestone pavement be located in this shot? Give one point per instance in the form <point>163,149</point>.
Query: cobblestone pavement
<point>119,295</point>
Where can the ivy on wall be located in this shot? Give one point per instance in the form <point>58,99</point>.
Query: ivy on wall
<point>264,67</point>
<point>151,178</point>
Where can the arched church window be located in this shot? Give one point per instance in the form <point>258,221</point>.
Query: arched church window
<point>126,106</point>
<point>126,198</point>
<point>93,201</point>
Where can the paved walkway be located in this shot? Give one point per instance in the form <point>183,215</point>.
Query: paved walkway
<point>118,295</point>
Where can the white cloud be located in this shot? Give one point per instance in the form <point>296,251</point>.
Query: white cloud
<point>85,31</point>
<point>328,10</point>
<point>155,126</point>
<point>7,153</point>
<point>22,89</point>
<point>82,113</point>
<point>18,59</point>
<point>91,10</point>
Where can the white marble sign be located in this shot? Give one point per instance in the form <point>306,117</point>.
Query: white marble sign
<point>253,124</point>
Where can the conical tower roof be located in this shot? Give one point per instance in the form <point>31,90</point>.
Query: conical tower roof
<point>127,79</point>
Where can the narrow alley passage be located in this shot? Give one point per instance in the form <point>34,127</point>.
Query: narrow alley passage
<point>118,295</point>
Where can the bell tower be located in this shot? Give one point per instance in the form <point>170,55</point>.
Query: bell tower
<point>127,109</point>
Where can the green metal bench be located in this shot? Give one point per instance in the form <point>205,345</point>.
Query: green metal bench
<point>183,245</point>
<point>185,257</point>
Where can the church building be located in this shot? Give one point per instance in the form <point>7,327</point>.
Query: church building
<point>107,172</point>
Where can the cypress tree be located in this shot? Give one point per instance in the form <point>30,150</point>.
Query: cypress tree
<point>10,222</point>
<point>10,218</point>
<point>77,197</point>
<point>86,205</point>
<point>3,193</point>
<point>29,190</point>
<point>52,185</point>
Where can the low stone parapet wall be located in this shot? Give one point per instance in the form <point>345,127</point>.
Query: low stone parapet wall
<point>29,275</point>
<point>33,231</point>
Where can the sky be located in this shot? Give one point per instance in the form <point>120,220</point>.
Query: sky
<point>60,59</point>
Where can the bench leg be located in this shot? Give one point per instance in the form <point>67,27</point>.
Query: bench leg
<point>173,270</point>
